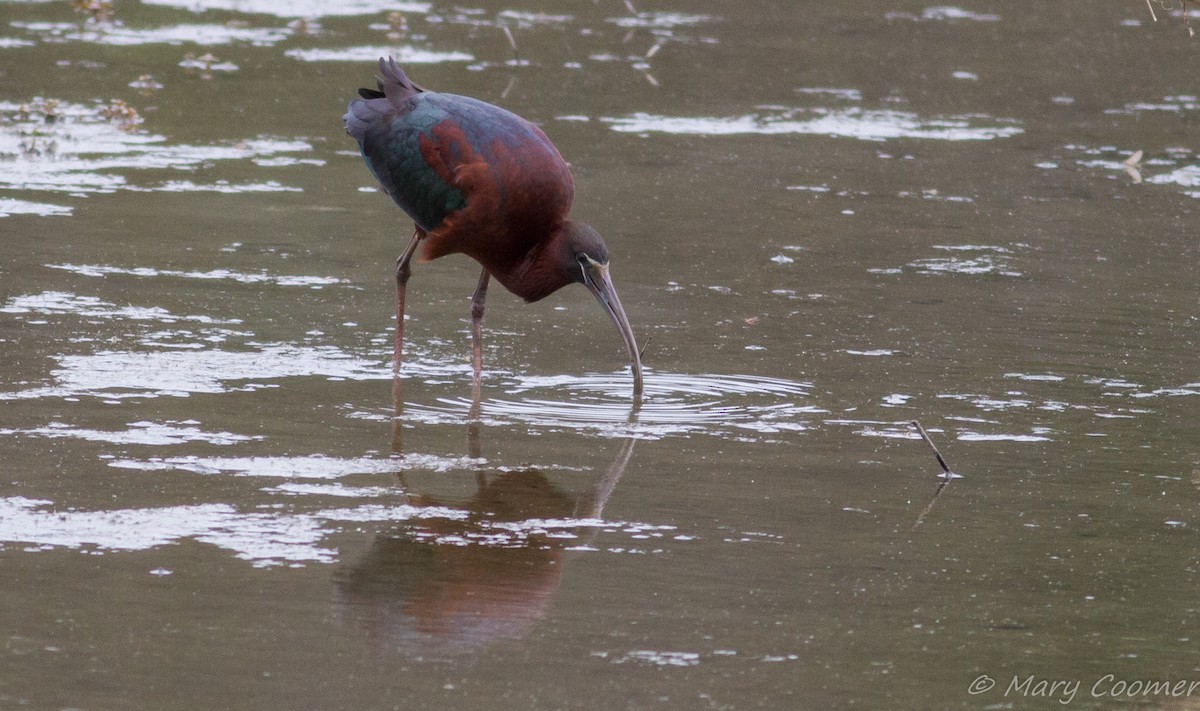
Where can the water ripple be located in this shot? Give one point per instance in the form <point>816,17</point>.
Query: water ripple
<point>674,404</point>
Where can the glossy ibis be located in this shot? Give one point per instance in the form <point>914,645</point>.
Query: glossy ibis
<point>481,181</point>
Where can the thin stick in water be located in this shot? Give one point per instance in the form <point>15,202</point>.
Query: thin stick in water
<point>947,475</point>
<point>936,453</point>
<point>512,42</point>
<point>645,346</point>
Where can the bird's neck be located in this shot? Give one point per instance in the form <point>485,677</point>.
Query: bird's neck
<point>541,272</point>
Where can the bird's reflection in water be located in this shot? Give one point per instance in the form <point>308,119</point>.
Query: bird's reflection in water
<point>446,586</point>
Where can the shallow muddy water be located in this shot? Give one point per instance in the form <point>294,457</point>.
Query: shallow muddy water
<point>826,220</point>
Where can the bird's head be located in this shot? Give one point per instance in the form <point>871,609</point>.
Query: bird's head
<point>586,261</point>
<point>585,247</point>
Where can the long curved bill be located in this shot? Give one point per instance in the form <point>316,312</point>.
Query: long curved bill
<point>600,284</point>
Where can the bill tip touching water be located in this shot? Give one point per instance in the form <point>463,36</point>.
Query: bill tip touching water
<point>479,180</point>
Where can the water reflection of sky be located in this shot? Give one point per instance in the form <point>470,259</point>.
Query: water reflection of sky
<point>867,125</point>
<point>120,36</point>
<point>260,277</point>
<point>61,147</point>
<point>296,8</point>
<point>369,54</point>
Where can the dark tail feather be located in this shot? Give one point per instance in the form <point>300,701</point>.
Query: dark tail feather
<point>394,83</point>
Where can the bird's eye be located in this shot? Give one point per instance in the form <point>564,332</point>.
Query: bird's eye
<point>582,259</point>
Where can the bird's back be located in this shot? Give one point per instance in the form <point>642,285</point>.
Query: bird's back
<point>476,178</point>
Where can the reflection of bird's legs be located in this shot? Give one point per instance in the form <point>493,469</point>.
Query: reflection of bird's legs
<point>591,504</point>
<point>477,304</point>
<point>397,419</point>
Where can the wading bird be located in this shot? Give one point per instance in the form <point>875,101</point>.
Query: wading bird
<point>481,181</point>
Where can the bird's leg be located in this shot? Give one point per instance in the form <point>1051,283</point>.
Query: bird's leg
<point>473,426</point>
<point>477,304</point>
<point>403,271</point>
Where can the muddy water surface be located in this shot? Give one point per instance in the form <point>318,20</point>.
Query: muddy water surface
<point>826,220</point>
